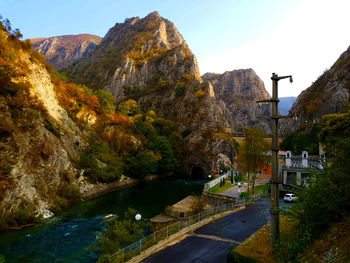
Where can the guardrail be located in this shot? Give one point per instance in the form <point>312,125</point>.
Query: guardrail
<point>215,181</point>
<point>127,253</point>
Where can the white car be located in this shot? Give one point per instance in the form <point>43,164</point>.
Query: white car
<point>290,197</point>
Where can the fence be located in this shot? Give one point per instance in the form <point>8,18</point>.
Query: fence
<point>215,181</point>
<point>125,254</point>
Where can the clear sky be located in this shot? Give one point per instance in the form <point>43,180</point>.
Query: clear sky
<point>298,37</point>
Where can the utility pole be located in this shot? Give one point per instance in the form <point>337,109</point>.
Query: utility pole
<point>275,180</point>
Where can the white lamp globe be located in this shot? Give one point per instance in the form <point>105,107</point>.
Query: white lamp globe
<point>138,217</point>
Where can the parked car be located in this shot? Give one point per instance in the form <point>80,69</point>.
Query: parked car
<point>290,197</point>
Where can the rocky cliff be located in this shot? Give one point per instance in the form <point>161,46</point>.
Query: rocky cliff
<point>239,90</point>
<point>148,60</point>
<point>62,51</point>
<point>327,95</point>
<point>39,143</point>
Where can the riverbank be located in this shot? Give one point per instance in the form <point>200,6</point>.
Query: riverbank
<point>92,192</point>
<point>66,237</point>
<point>102,189</point>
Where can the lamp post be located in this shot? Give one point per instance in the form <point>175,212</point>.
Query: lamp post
<point>137,217</point>
<point>275,180</point>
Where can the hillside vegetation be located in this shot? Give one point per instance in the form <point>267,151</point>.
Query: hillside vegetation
<point>57,138</point>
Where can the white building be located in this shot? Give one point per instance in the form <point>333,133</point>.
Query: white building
<point>296,169</point>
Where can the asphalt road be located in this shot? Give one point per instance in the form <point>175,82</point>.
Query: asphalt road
<point>210,243</point>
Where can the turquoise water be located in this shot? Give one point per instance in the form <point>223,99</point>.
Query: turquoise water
<point>67,238</point>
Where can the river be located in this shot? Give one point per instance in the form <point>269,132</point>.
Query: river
<point>67,238</point>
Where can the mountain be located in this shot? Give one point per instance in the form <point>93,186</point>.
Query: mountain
<point>39,142</point>
<point>62,51</point>
<point>148,60</point>
<point>61,142</point>
<point>285,104</point>
<point>239,90</point>
<point>328,94</point>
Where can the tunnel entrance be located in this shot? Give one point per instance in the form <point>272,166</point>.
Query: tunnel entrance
<point>197,172</point>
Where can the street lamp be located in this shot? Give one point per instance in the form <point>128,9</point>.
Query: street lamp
<point>138,217</point>
<point>275,180</point>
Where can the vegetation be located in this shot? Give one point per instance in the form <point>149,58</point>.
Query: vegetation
<point>253,154</point>
<point>302,140</point>
<point>119,233</point>
<point>220,188</point>
<point>197,206</point>
<point>22,215</point>
<point>234,257</point>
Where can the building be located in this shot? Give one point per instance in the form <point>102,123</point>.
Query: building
<point>296,169</point>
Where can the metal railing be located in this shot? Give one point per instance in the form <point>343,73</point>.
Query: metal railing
<point>127,253</point>
<point>215,181</point>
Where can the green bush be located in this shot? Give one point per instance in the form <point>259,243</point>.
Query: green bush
<point>180,89</point>
<point>141,165</point>
<point>6,169</point>
<point>185,133</point>
<point>120,232</point>
<point>48,125</point>
<point>234,257</point>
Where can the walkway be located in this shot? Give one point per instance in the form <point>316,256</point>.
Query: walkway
<point>236,191</point>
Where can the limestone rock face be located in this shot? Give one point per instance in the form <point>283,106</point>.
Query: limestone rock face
<point>39,141</point>
<point>149,61</point>
<point>62,51</point>
<point>327,95</point>
<point>239,90</point>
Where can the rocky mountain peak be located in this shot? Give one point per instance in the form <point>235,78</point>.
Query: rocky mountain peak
<point>61,51</point>
<point>131,52</point>
<point>149,61</point>
<point>239,89</point>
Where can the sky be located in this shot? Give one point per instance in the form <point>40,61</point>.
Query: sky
<point>302,38</point>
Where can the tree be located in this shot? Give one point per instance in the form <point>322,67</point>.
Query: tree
<point>141,165</point>
<point>120,232</point>
<point>107,100</point>
<point>252,155</point>
<point>129,108</point>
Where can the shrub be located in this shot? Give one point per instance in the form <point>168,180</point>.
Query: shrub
<point>48,125</point>
<point>141,165</point>
<point>180,89</point>
<point>6,169</point>
<point>185,133</point>
<point>120,231</point>
<point>197,206</point>
<point>234,257</point>
<point>199,93</point>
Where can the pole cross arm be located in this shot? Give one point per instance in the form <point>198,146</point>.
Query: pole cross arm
<point>281,117</point>
<point>269,100</point>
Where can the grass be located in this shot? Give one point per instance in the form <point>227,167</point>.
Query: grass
<point>257,246</point>
<point>260,190</point>
<point>218,189</point>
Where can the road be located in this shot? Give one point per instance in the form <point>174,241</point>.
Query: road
<point>211,243</point>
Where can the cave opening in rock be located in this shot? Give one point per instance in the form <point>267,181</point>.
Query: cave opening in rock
<point>197,172</point>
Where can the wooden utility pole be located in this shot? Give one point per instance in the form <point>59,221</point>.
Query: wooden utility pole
<point>275,180</point>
